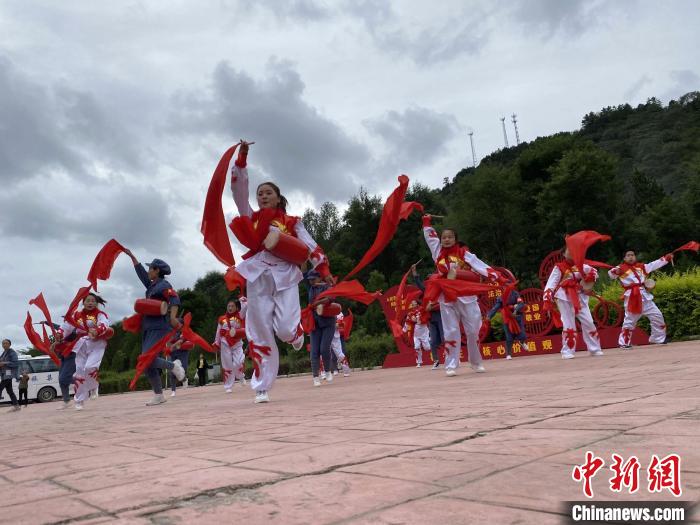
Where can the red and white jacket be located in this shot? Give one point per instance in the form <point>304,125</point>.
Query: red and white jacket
<point>456,256</point>
<point>284,273</point>
<point>633,276</point>
<point>565,281</point>
<point>230,331</point>
<point>81,322</point>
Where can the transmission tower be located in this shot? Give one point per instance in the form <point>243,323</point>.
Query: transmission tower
<point>505,135</point>
<point>471,141</point>
<point>515,125</point>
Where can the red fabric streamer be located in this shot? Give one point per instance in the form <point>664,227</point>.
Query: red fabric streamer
<point>234,280</point>
<point>452,289</point>
<point>347,325</point>
<point>213,221</point>
<point>693,246</point>
<point>132,324</point>
<point>251,231</point>
<point>104,262</point>
<point>144,360</point>
<point>389,222</point>
<point>352,290</point>
<point>307,319</point>
<point>36,341</point>
<point>409,207</point>
<point>193,337</point>
<point>40,303</point>
<point>579,242</point>
<point>400,298</point>
<point>509,319</point>
<point>82,294</point>
<point>596,264</point>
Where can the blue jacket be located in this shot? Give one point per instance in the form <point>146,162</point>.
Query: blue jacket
<point>156,290</point>
<point>514,299</point>
<point>314,291</point>
<point>12,365</point>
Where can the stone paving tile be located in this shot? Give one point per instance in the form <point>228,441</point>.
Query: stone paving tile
<point>327,498</point>
<point>383,446</point>
<point>454,511</point>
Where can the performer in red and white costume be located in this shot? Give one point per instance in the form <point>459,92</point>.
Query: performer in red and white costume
<point>272,280</point>
<point>230,331</point>
<point>337,344</point>
<point>92,329</point>
<point>566,284</point>
<point>638,300</point>
<point>417,324</point>
<point>450,258</point>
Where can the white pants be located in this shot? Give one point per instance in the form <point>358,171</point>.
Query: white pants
<point>88,357</point>
<point>270,312</point>
<point>337,348</point>
<point>469,316</point>
<point>656,319</point>
<point>568,334</point>
<point>232,363</point>
<point>421,341</point>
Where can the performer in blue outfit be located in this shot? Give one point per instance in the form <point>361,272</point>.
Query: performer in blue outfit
<point>322,335</point>
<point>515,305</point>
<point>155,327</point>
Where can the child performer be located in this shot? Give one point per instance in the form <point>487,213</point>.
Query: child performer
<point>337,346</point>
<point>230,331</point>
<point>179,351</point>
<point>271,269</point>
<point>91,327</point>
<point>451,258</point>
<point>570,286</point>
<point>434,323</point>
<point>157,324</point>
<point>417,324</point>
<point>513,322</point>
<point>638,300</point>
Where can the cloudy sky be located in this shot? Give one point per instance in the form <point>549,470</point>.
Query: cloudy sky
<point>113,115</point>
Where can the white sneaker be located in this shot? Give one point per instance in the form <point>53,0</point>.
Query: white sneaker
<point>185,383</point>
<point>346,371</point>
<point>228,390</point>
<point>451,372</point>
<point>436,365</point>
<point>157,400</point>
<point>262,397</point>
<point>329,377</point>
<point>418,365</point>
<point>172,393</point>
<point>63,405</point>
<point>78,406</point>
<point>479,369</point>
<point>335,372</point>
<point>625,347</point>
<point>298,342</point>
<point>94,395</point>
<point>508,357</point>
<point>178,371</point>
<point>567,355</point>
<point>597,353</point>
<point>317,381</point>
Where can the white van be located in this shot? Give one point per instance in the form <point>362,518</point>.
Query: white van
<point>43,379</point>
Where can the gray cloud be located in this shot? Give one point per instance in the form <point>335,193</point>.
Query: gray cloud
<point>290,10</point>
<point>464,33</point>
<point>413,137</point>
<point>569,17</point>
<point>54,128</point>
<point>137,217</point>
<point>684,81</point>
<point>296,145</point>
<point>635,88</point>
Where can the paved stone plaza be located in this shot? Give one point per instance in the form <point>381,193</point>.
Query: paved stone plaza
<point>387,446</point>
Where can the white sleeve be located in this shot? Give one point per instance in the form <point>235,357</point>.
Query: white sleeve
<point>655,265</point>
<point>432,240</point>
<point>553,280</point>
<point>102,319</point>
<point>244,306</point>
<point>612,274</point>
<point>304,236</point>
<point>67,329</point>
<point>588,269</point>
<point>217,337</point>
<point>477,264</point>
<point>239,188</point>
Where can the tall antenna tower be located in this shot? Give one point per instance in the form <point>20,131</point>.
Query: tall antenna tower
<point>471,141</point>
<point>515,125</point>
<point>505,135</point>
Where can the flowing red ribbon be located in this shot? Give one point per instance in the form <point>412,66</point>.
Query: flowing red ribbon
<point>104,262</point>
<point>36,340</point>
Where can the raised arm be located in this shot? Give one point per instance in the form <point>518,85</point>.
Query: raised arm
<point>431,237</point>
<point>141,272</point>
<point>317,258</point>
<point>658,263</point>
<point>239,182</point>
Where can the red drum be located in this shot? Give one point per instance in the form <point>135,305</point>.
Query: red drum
<point>464,275</point>
<point>150,307</point>
<point>649,284</point>
<point>328,309</point>
<point>286,247</point>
